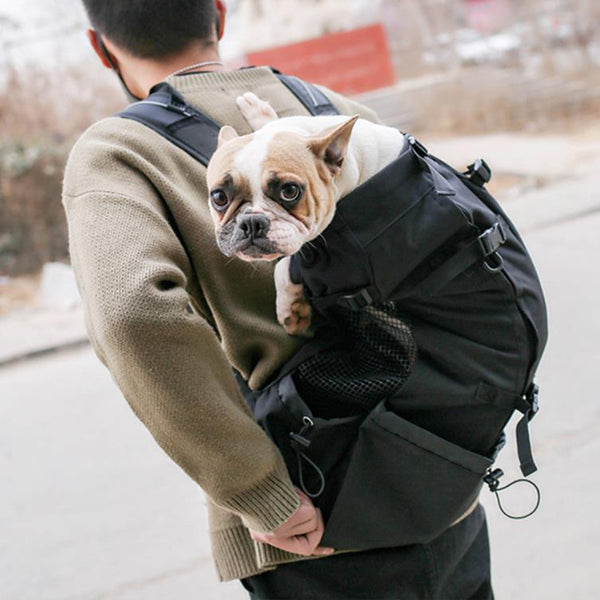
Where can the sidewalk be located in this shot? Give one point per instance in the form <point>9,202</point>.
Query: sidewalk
<point>35,332</point>
<point>564,168</point>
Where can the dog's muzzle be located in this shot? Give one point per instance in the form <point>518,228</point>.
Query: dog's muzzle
<point>247,235</point>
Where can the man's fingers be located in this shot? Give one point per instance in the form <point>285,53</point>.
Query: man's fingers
<point>307,526</point>
<point>302,535</point>
<point>306,544</point>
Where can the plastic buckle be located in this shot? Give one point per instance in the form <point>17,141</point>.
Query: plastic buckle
<point>492,478</point>
<point>479,172</point>
<point>356,301</point>
<point>416,145</point>
<point>491,239</point>
<point>533,397</point>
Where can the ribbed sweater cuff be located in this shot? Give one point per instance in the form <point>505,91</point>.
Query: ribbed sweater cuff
<point>267,505</point>
<point>237,555</point>
<point>234,553</point>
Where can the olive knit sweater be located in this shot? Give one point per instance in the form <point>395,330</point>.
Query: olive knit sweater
<point>169,315</point>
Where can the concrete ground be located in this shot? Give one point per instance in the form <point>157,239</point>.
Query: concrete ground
<point>91,508</point>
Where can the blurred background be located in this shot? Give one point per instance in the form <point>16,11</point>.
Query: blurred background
<point>89,506</point>
<point>440,66</point>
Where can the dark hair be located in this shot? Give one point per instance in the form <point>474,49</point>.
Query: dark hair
<point>153,28</point>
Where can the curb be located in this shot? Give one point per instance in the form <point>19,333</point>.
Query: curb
<point>34,333</point>
<point>45,351</point>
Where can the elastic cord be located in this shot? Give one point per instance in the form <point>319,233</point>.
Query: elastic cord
<point>496,489</point>
<point>300,456</point>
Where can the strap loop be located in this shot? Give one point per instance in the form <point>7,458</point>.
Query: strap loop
<point>299,443</point>
<point>492,479</point>
<point>529,406</point>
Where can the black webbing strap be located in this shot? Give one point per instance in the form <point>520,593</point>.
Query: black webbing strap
<point>354,301</point>
<point>529,406</point>
<point>313,99</point>
<point>166,111</point>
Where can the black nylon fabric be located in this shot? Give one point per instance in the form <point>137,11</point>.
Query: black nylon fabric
<point>481,328</point>
<point>417,458</point>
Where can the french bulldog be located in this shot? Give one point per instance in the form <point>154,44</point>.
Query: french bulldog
<point>274,190</point>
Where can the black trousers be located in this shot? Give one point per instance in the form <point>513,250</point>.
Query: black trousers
<point>454,566</point>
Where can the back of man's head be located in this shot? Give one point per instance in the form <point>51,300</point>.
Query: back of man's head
<point>154,28</point>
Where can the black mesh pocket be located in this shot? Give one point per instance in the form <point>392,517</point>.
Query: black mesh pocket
<point>374,358</point>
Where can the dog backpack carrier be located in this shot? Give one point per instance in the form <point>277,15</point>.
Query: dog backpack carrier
<point>430,323</point>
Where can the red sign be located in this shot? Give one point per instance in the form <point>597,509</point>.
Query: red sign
<point>489,15</point>
<point>349,62</point>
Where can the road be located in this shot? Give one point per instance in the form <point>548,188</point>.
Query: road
<point>91,508</point>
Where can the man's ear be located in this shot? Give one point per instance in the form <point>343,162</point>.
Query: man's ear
<point>100,49</point>
<point>221,12</point>
<point>331,145</point>
<point>226,134</point>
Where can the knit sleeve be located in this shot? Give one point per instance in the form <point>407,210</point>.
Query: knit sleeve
<point>136,283</point>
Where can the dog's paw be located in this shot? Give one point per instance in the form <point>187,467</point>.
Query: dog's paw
<point>256,111</point>
<point>296,320</point>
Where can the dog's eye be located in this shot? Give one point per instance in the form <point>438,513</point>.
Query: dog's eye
<point>219,200</point>
<point>290,192</point>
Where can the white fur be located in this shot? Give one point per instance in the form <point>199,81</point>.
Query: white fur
<point>293,309</point>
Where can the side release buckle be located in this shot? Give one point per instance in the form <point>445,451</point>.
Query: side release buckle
<point>479,172</point>
<point>356,301</point>
<point>533,397</point>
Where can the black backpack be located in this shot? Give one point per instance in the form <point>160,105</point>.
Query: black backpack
<point>430,325</point>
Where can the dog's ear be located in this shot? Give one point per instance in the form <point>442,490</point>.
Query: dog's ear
<point>226,134</point>
<point>331,145</point>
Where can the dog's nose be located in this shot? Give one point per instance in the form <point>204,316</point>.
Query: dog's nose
<point>254,226</point>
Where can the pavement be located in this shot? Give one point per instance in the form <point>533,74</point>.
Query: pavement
<point>30,333</point>
<point>91,508</point>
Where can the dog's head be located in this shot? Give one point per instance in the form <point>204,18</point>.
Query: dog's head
<point>272,191</point>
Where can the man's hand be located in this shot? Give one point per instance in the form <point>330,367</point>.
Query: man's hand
<point>301,533</point>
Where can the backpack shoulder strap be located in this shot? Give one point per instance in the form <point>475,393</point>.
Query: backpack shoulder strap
<point>313,99</point>
<point>166,112</point>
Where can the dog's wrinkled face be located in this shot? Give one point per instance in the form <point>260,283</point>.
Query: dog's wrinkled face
<point>273,190</point>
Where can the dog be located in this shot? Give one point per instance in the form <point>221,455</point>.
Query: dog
<point>274,190</point>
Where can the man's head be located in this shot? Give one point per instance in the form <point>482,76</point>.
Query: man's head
<point>154,29</point>
<point>144,39</point>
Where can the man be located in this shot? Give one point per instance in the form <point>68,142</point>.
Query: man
<point>169,316</point>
